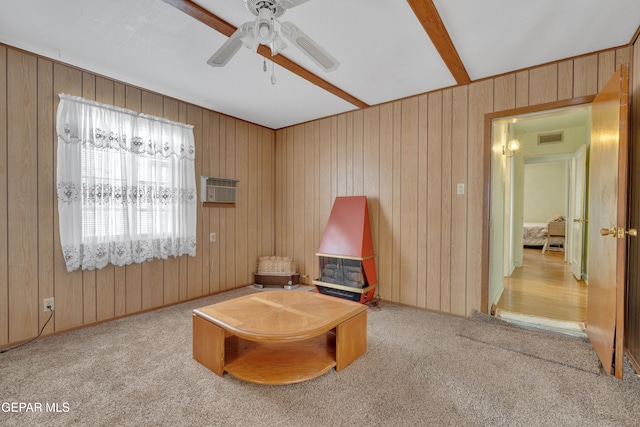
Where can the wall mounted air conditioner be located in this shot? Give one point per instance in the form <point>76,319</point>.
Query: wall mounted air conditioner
<point>218,190</point>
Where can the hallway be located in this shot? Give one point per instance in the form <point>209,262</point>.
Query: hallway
<point>545,287</point>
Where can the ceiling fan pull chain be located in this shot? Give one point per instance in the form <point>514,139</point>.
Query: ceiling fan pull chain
<point>264,65</point>
<point>273,73</point>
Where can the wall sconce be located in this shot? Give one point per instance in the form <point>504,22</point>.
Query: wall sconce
<point>510,148</point>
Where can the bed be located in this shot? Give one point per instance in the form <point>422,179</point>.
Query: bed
<point>535,233</point>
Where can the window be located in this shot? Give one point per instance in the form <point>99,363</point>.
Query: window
<point>126,185</point>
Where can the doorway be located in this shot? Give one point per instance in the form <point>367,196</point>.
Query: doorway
<point>526,285</point>
<point>544,293</point>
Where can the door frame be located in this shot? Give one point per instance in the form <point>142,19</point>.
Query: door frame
<point>576,226</point>
<point>488,145</point>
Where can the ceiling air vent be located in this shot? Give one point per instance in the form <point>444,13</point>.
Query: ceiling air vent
<point>550,138</point>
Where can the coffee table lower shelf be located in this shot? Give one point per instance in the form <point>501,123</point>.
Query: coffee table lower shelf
<point>279,363</point>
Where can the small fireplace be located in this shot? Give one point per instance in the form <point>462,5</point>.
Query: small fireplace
<point>345,256</point>
<point>345,272</point>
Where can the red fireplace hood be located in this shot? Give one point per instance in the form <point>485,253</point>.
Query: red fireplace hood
<point>348,236</point>
<point>348,232</point>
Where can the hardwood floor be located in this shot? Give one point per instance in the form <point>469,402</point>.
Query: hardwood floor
<point>545,287</point>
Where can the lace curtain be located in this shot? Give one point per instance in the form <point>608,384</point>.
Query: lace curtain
<point>126,185</point>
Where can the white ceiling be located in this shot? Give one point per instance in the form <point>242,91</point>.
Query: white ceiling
<point>384,51</point>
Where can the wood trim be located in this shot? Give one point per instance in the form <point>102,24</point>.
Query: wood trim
<point>220,25</point>
<point>635,37</point>
<point>623,202</point>
<point>218,205</point>
<point>429,17</point>
<point>345,288</point>
<point>478,174</point>
<point>632,303</point>
<point>534,109</point>
<point>4,203</point>
<point>357,258</point>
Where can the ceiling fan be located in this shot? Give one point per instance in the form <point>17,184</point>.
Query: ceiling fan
<point>267,30</point>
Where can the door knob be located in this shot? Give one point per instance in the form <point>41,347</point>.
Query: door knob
<point>608,231</point>
<point>632,232</point>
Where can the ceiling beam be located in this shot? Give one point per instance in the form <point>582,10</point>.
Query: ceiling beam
<point>429,17</point>
<point>223,27</point>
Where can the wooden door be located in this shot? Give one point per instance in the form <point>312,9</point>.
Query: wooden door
<point>607,219</point>
<point>576,221</point>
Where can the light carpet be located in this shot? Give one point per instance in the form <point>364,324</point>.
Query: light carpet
<point>420,369</point>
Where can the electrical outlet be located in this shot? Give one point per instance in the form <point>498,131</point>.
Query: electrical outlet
<point>47,304</point>
<point>460,188</point>
<point>212,237</point>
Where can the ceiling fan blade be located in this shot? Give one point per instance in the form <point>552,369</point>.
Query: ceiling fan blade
<point>288,4</point>
<point>309,47</point>
<point>231,46</point>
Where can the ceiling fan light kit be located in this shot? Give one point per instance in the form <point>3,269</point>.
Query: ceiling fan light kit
<point>264,31</point>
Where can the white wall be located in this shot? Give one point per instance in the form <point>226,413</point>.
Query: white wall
<point>545,190</point>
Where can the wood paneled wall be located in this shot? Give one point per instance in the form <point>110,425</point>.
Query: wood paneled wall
<point>31,263</point>
<point>408,157</point>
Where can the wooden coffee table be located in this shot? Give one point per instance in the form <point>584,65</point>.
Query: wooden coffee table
<point>279,337</point>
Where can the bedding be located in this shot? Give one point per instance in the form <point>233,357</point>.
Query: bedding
<point>535,233</point>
